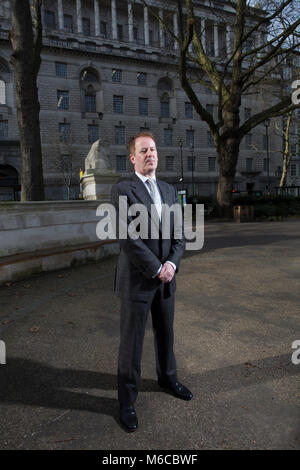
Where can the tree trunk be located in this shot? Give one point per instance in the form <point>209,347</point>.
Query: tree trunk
<point>286,152</point>
<point>26,68</point>
<point>228,145</point>
<point>228,156</point>
<point>283,175</point>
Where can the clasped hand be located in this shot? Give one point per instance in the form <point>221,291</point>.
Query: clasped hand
<point>167,273</point>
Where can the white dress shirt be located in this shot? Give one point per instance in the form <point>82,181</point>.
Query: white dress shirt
<point>144,179</point>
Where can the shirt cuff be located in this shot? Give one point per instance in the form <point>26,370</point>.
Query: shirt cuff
<point>172,264</point>
<point>157,272</point>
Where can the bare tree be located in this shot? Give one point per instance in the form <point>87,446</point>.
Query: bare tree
<point>66,155</point>
<point>263,36</point>
<point>26,40</point>
<point>285,128</point>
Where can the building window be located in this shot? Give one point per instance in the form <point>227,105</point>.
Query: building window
<point>119,135</point>
<point>135,33</point>
<point>93,133</point>
<point>64,131</point>
<point>248,140</point>
<point>143,106</point>
<point>293,169</point>
<point>151,41</point>
<point>188,110</point>
<point>168,136</point>
<point>120,32</point>
<point>190,138</point>
<point>141,78</point>
<point>116,75</point>
<point>249,164</point>
<point>247,113</point>
<point>3,129</point>
<point>210,109</point>
<point>49,19</point>
<point>191,163</point>
<point>121,163</point>
<point>142,129</point>
<point>68,23</point>
<point>103,29</point>
<point>294,149</point>
<point>2,92</point>
<point>169,163</point>
<point>118,104</point>
<point>61,69</point>
<point>210,142</point>
<point>62,99</point>
<point>164,106</point>
<point>211,163</point>
<point>266,164</point>
<point>90,103</point>
<point>86,28</point>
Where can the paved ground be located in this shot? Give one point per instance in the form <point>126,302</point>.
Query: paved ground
<point>237,314</point>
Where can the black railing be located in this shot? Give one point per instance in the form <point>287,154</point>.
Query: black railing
<point>288,191</point>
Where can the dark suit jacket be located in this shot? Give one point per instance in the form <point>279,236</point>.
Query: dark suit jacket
<point>140,259</point>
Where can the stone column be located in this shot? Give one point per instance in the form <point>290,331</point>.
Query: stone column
<point>114,19</point>
<point>146,26</point>
<point>79,16</point>
<point>97,17</point>
<point>161,30</point>
<point>130,21</point>
<point>60,14</point>
<point>175,29</point>
<point>203,33</point>
<point>216,39</point>
<point>228,40</point>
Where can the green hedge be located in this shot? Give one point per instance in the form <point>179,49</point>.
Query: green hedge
<point>271,206</point>
<point>264,206</point>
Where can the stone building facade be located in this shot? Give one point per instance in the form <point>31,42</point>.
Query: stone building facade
<point>108,71</point>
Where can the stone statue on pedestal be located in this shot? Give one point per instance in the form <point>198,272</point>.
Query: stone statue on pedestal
<point>99,175</point>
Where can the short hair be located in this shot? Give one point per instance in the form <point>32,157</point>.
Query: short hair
<point>131,142</point>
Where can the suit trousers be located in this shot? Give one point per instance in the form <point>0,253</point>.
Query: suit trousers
<point>134,316</point>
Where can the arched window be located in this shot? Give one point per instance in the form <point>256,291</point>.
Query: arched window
<point>9,183</point>
<point>165,105</point>
<point>90,86</point>
<point>90,100</point>
<point>4,75</point>
<point>89,75</point>
<point>165,84</point>
<point>165,92</point>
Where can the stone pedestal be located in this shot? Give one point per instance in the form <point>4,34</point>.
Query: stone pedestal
<point>97,184</point>
<point>99,176</point>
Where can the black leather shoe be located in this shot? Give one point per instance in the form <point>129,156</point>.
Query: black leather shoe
<point>128,417</point>
<point>179,390</point>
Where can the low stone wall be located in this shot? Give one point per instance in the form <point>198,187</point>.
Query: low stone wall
<point>45,236</point>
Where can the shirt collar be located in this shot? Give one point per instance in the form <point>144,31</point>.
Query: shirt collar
<point>145,178</point>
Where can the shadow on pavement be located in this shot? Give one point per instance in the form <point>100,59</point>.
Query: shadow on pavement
<point>27,382</point>
<point>37,384</point>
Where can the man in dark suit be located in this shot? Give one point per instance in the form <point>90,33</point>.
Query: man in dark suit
<point>145,279</point>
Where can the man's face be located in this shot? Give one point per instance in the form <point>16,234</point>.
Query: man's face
<point>144,157</point>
